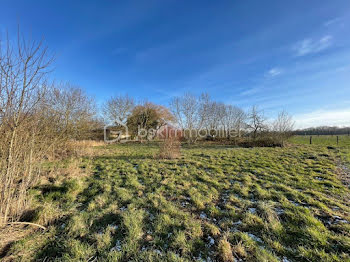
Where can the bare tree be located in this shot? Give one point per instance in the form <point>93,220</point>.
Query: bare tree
<point>205,111</point>
<point>256,121</point>
<point>234,119</point>
<point>222,114</point>
<point>283,126</point>
<point>213,121</point>
<point>199,114</point>
<point>118,108</point>
<point>186,111</point>
<point>240,120</point>
<point>74,110</point>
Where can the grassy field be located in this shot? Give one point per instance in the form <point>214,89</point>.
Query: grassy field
<point>344,140</point>
<point>216,203</point>
<point>343,145</point>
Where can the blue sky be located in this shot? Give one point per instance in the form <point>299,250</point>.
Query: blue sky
<point>292,55</point>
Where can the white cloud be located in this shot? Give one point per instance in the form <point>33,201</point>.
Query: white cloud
<point>251,91</point>
<point>323,118</point>
<point>311,46</point>
<point>274,72</point>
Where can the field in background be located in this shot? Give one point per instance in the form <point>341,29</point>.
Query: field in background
<point>343,145</point>
<point>322,140</point>
<point>215,203</point>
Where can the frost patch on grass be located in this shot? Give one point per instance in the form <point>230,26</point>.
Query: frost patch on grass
<point>239,222</point>
<point>255,238</point>
<point>338,219</point>
<point>252,210</point>
<point>123,208</point>
<point>117,247</point>
<point>158,252</point>
<point>279,211</point>
<point>184,203</point>
<point>113,226</point>
<point>203,216</point>
<point>211,241</point>
<point>319,178</point>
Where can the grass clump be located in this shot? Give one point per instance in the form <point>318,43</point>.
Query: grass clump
<point>225,250</point>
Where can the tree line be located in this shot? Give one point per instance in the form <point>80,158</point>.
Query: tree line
<point>323,130</point>
<point>196,117</point>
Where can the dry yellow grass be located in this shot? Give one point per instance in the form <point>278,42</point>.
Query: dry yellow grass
<point>225,251</point>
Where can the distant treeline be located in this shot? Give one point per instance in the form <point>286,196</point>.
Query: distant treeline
<point>323,130</point>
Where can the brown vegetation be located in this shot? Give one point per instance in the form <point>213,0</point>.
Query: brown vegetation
<point>150,118</point>
<point>37,121</point>
<point>170,148</point>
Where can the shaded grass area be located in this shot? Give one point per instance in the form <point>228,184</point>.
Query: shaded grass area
<point>216,203</point>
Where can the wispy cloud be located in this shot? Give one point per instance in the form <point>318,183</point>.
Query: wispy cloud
<point>250,91</point>
<point>340,117</point>
<point>334,21</point>
<point>274,72</point>
<point>312,46</point>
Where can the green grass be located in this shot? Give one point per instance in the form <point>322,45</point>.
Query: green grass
<point>343,145</point>
<point>217,202</point>
<point>326,140</point>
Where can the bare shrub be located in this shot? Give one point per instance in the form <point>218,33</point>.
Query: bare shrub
<point>23,69</point>
<point>37,121</point>
<point>170,148</point>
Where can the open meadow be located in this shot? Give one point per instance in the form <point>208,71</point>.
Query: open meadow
<point>185,131</point>
<point>214,203</point>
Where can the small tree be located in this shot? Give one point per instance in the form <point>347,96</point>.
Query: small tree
<point>256,121</point>
<point>150,118</point>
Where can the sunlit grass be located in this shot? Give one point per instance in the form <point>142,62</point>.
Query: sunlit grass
<point>226,203</point>
<point>323,140</point>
